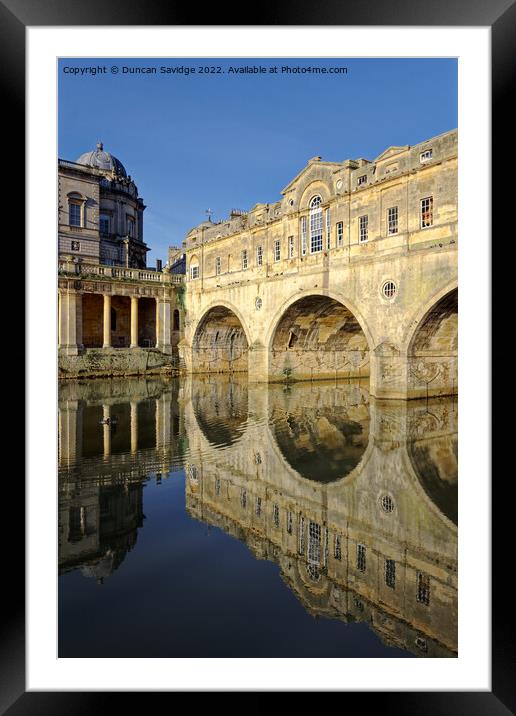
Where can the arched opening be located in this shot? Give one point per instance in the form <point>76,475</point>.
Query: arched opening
<point>318,337</point>
<point>220,344</point>
<point>120,321</point>
<point>432,354</point>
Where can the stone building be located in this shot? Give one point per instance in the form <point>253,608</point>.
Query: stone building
<point>116,315</point>
<point>353,272</point>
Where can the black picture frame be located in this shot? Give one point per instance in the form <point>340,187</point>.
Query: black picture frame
<point>15,16</point>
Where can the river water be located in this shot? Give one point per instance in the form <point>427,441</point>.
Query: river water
<point>205,517</point>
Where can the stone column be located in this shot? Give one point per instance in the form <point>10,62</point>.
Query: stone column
<point>107,321</point>
<point>106,413</point>
<point>163,332</point>
<point>134,426</point>
<point>134,322</point>
<point>70,322</point>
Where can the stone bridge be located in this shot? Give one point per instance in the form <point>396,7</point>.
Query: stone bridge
<point>353,273</point>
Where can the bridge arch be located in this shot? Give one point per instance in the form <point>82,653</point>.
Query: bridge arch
<point>221,341</point>
<point>317,334</point>
<point>432,346</point>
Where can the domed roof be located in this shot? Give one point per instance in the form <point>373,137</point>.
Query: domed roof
<point>102,160</point>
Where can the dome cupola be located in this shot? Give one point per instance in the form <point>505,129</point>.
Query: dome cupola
<point>102,160</point>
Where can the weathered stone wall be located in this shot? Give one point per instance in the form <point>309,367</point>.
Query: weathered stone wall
<point>107,361</point>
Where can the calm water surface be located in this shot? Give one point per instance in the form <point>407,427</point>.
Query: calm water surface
<point>203,517</point>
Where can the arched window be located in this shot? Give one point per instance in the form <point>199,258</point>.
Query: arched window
<point>176,320</point>
<point>316,225</point>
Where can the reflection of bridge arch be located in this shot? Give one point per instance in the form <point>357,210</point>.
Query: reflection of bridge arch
<point>221,340</point>
<point>318,334</point>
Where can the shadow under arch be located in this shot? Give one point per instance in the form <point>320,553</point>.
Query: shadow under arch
<point>318,334</point>
<point>221,341</point>
<point>432,347</point>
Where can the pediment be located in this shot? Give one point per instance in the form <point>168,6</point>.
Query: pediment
<point>391,152</point>
<point>311,171</point>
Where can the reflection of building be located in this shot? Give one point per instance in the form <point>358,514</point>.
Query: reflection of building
<point>351,272</point>
<point>97,527</point>
<point>369,543</point>
<point>116,315</point>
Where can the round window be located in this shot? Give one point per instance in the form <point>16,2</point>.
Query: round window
<point>389,289</point>
<point>258,303</point>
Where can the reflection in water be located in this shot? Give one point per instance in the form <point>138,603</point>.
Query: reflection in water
<point>354,500</point>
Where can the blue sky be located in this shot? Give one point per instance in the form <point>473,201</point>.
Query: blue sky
<point>227,140</point>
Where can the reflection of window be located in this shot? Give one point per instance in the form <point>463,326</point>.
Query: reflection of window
<point>301,535</point>
<point>74,212</point>
<point>361,557</point>
<point>390,573</point>
<point>275,515</point>
<point>289,522</point>
<point>243,499</point>
<point>258,506</point>
<point>217,485</point>
<point>423,588</point>
<point>314,543</point>
<point>337,552</point>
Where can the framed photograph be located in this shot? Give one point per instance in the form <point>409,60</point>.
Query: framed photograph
<point>256,434</point>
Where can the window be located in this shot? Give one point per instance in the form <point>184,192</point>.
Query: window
<point>392,220</point>
<point>275,515</point>
<point>363,225</point>
<point>337,548</point>
<point>104,224</point>
<point>130,226</point>
<point>258,506</point>
<point>289,522</point>
<point>290,247</point>
<point>76,245</point>
<point>362,179</point>
<point>303,235</point>
<point>389,289</point>
<point>218,266</point>
<point>340,233</point>
<point>390,573</point>
<point>74,212</point>
<point>244,259</point>
<point>316,225</point>
<point>423,588</point>
<point>259,256</point>
<point>361,557</point>
<point>243,499</point>
<point>328,228</point>
<point>427,212</point>
<point>425,156</point>
<point>277,250</point>
<point>194,272</point>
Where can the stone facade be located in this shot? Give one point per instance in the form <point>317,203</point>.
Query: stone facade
<point>352,273</point>
<point>116,316</point>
